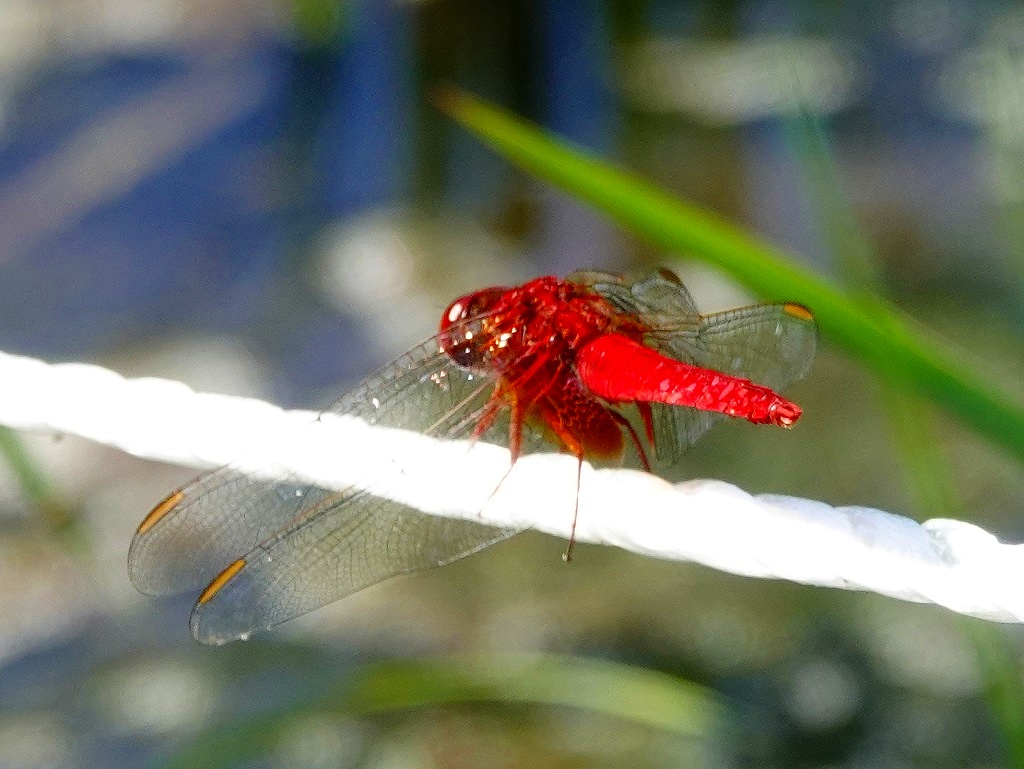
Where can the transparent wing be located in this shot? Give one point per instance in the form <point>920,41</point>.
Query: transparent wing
<point>659,296</point>
<point>771,344</point>
<point>303,546</point>
<point>349,544</point>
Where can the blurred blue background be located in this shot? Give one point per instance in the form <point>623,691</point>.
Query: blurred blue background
<point>256,196</point>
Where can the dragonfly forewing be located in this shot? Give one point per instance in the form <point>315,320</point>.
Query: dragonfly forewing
<point>285,547</point>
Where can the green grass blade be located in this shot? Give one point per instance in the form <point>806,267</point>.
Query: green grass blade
<point>999,664</point>
<point>869,328</point>
<point>913,429</point>
<point>912,421</point>
<point>37,489</point>
<point>645,697</point>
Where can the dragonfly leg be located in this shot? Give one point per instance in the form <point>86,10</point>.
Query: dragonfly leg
<point>489,414</point>
<point>567,555</point>
<point>575,447</point>
<point>628,428</point>
<point>515,432</point>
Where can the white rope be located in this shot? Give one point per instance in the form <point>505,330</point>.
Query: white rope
<point>951,563</point>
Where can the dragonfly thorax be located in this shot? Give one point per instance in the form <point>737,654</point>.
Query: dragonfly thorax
<point>500,328</point>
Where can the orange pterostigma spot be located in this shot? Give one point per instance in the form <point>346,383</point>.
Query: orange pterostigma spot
<point>160,511</point>
<point>221,580</point>
<point>797,311</point>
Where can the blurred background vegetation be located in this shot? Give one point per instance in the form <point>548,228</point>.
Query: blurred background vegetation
<point>257,197</point>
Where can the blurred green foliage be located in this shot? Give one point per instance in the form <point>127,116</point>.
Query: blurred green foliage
<point>650,699</point>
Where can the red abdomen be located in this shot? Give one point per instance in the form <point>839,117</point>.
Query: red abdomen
<point>620,370</point>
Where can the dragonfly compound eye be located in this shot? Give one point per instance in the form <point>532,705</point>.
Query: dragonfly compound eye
<point>464,327</point>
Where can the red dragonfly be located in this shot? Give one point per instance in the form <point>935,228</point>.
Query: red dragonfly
<point>597,365</point>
